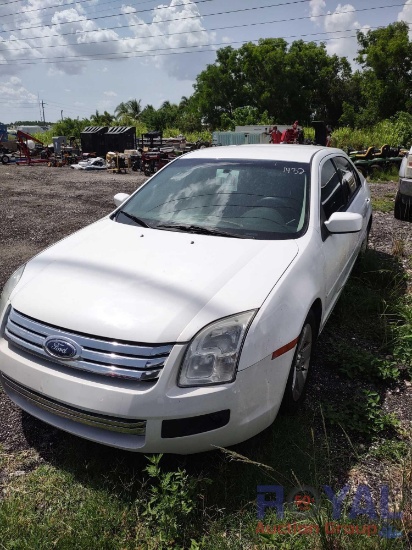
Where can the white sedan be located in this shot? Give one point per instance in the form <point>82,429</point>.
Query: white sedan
<point>186,318</point>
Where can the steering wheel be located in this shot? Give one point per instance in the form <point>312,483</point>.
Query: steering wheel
<point>230,222</point>
<point>283,204</point>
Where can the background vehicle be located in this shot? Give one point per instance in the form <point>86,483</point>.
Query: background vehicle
<point>373,161</point>
<point>403,199</point>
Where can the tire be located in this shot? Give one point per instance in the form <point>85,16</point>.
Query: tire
<point>362,170</point>
<point>375,170</point>
<point>296,384</point>
<point>5,159</point>
<point>401,210</point>
<point>365,242</point>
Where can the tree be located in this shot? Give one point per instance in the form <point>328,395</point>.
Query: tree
<point>243,116</point>
<point>385,84</point>
<point>129,111</point>
<point>220,88</point>
<point>188,116</point>
<point>104,119</point>
<point>69,127</point>
<point>300,81</point>
<point>160,119</point>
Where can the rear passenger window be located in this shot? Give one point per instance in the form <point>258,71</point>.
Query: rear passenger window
<point>332,195</point>
<point>350,178</point>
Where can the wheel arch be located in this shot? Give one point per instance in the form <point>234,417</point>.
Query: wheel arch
<point>317,309</point>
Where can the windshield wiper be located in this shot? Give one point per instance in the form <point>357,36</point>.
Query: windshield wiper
<point>200,230</point>
<point>134,218</point>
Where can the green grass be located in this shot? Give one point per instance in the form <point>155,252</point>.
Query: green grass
<point>384,204</point>
<point>383,176</point>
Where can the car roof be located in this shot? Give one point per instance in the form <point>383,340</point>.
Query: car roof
<point>296,153</point>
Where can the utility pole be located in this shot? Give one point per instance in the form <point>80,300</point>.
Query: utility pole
<point>43,104</point>
<point>61,114</point>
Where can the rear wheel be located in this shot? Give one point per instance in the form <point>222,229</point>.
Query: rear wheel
<point>375,171</point>
<point>5,159</point>
<point>401,211</point>
<point>298,376</point>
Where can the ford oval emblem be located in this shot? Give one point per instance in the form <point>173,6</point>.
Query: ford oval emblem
<point>61,348</point>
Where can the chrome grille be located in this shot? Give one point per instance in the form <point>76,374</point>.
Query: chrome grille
<point>107,358</point>
<point>111,423</point>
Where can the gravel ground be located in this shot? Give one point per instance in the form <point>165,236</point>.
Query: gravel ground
<point>40,205</point>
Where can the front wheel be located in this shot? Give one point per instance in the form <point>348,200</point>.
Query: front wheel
<point>296,385</point>
<point>5,159</point>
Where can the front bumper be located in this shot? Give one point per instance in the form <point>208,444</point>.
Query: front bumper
<point>210,416</point>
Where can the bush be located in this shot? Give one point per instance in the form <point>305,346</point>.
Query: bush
<point>395,132</point>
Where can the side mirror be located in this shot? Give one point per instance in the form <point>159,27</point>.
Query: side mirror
<point>120,198</point>
<point>344,222</point>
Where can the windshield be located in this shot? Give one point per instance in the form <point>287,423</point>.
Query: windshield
<point>240,198</point>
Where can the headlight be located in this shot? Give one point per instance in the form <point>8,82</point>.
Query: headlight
<point>9,287</point>
<point>213,354</point>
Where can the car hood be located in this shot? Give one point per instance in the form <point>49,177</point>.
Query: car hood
<point>144,285</point>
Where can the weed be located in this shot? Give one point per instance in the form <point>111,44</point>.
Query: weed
<point>402,332</point>
<point>356,362</point>
<point>171,501</point>
<point>360,414</point>
<point>392,450</point>
<point>398,248</point>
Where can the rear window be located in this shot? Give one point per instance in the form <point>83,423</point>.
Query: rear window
<point>249,198</point>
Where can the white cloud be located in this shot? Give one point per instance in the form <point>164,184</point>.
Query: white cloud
<point>316,8</point>
<point>128,9</point>
<point>341,23</point>
<point>105,105</point>
<point>341,19</point>
<point>110,94</point>
<point>33,35</point>
<point>406,15</point>
<point>15,95</point>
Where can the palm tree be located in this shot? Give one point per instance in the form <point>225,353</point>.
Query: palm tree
<point>134,108</point>
<point>129,110</point>
<point>184,103</point>
<point>104,119</point>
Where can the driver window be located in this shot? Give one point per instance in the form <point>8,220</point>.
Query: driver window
<point>332,193</point>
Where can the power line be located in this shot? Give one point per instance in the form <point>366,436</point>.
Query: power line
<point>57,6</point>
<point>76,57</point>
<point>117,55</point>
<point>127,56</point>
<point>165,35</point>
<point>208,15</point>
<point>65,5</point>
<point>119,14</point>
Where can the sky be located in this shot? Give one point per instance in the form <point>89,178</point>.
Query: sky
<point>79,57</point>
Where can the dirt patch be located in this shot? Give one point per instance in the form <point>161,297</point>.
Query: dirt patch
<point>41,205</point>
